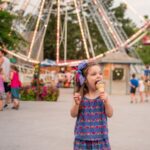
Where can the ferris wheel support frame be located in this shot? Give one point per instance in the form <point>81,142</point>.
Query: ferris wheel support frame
<point>81,30</point>
<point>36,29</point>
<point>134,37</point>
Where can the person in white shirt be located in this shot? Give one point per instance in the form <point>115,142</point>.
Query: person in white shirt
<point>5,64</point>
<point>141,89</point>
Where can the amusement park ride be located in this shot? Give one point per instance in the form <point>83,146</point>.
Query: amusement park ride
<point>112,33</point>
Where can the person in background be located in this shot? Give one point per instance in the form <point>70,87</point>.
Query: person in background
<point>147,82</point>
<point>5,64</point>
<point>141,89</point>
<point>133,86</point>
<point>2,90</point>
<point>91,108</point>
<point>15,86</point>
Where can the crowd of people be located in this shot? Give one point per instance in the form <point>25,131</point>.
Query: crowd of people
<point>141,85</point>
<point>9,83</point>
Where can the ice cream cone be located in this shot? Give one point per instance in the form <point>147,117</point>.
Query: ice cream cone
<point>100,86</point>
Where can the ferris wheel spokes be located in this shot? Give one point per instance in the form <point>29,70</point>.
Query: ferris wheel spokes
<point>81,29</point>
<point>100,16</point>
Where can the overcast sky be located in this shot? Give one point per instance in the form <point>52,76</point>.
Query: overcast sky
<point>141,7</point>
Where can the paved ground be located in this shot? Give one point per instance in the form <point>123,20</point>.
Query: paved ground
<point>48,125</point>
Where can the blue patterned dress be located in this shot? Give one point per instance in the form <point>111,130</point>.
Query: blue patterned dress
<point>91,132</point>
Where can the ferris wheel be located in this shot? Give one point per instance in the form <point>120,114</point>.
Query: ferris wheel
<point>112,33</point>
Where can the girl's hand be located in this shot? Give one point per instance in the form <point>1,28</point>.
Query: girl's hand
<point>104,97</point>
<point>77,98</point>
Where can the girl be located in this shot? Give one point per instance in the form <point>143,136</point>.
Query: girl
<point>15,86</point>
<point>141,88</point>
<point>91,108</point>
<point>2,90</point>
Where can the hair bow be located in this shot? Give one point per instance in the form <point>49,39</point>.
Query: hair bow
<point>79,76</point>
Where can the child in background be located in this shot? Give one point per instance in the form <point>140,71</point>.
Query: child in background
<point>133,86</point>
<point>2,90</point>
<point>91,108</point>
<point>141,89</point>
<point>15,86</point>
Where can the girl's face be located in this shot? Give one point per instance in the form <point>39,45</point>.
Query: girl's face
<point>94,75</point>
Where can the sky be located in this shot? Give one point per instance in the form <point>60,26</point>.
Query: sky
<point>140,7</point>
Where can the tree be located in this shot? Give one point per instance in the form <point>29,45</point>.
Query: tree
<point>75,47</point>
<point>127,24</point>
<point>144,52</point>
<point>8,37</point>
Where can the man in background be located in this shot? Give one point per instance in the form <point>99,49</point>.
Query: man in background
<point>147,82</point>
<point>5,64</point>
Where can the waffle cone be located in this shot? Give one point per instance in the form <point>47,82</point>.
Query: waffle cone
<point>100,86</point>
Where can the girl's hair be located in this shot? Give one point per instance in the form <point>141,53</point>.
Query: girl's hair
<point>14,68</point>
<point>83,89</point>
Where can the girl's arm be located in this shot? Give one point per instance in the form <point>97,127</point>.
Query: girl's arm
<point>3,76</point>
<point>11,75</point>
<point>75,108</point>
<point>108,107</point>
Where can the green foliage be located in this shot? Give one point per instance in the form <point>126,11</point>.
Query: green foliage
<point>46,93</point>
<point>144,53</point>
<point>127,24</point>
<point>75,47</point>
<point>8,37</point>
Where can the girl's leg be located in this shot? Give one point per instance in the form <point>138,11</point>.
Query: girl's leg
<point>141,97</point>
<point>132,97</point>
<point>146,96</point>
<point>15,103</point>
<point>15,95</point>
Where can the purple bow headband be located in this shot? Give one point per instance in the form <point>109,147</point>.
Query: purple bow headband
<point>79,76</point>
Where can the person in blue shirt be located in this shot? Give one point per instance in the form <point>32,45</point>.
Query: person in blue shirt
<point>134,83</point>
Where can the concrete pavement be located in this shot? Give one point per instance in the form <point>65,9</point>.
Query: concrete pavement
<point>48,125</point>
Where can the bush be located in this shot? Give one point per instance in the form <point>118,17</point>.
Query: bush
<point>45,93</point>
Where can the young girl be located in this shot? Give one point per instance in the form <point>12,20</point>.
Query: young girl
<point>2,90</point>
<point>91,108</point>
<point>15,86</point>
<point>141,89</point>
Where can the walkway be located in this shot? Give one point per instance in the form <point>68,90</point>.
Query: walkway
<point>48,125</point>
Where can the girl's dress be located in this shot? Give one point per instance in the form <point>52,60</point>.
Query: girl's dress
<point>15,85</point>
<point>141,86</point>
<point>91,131</point>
